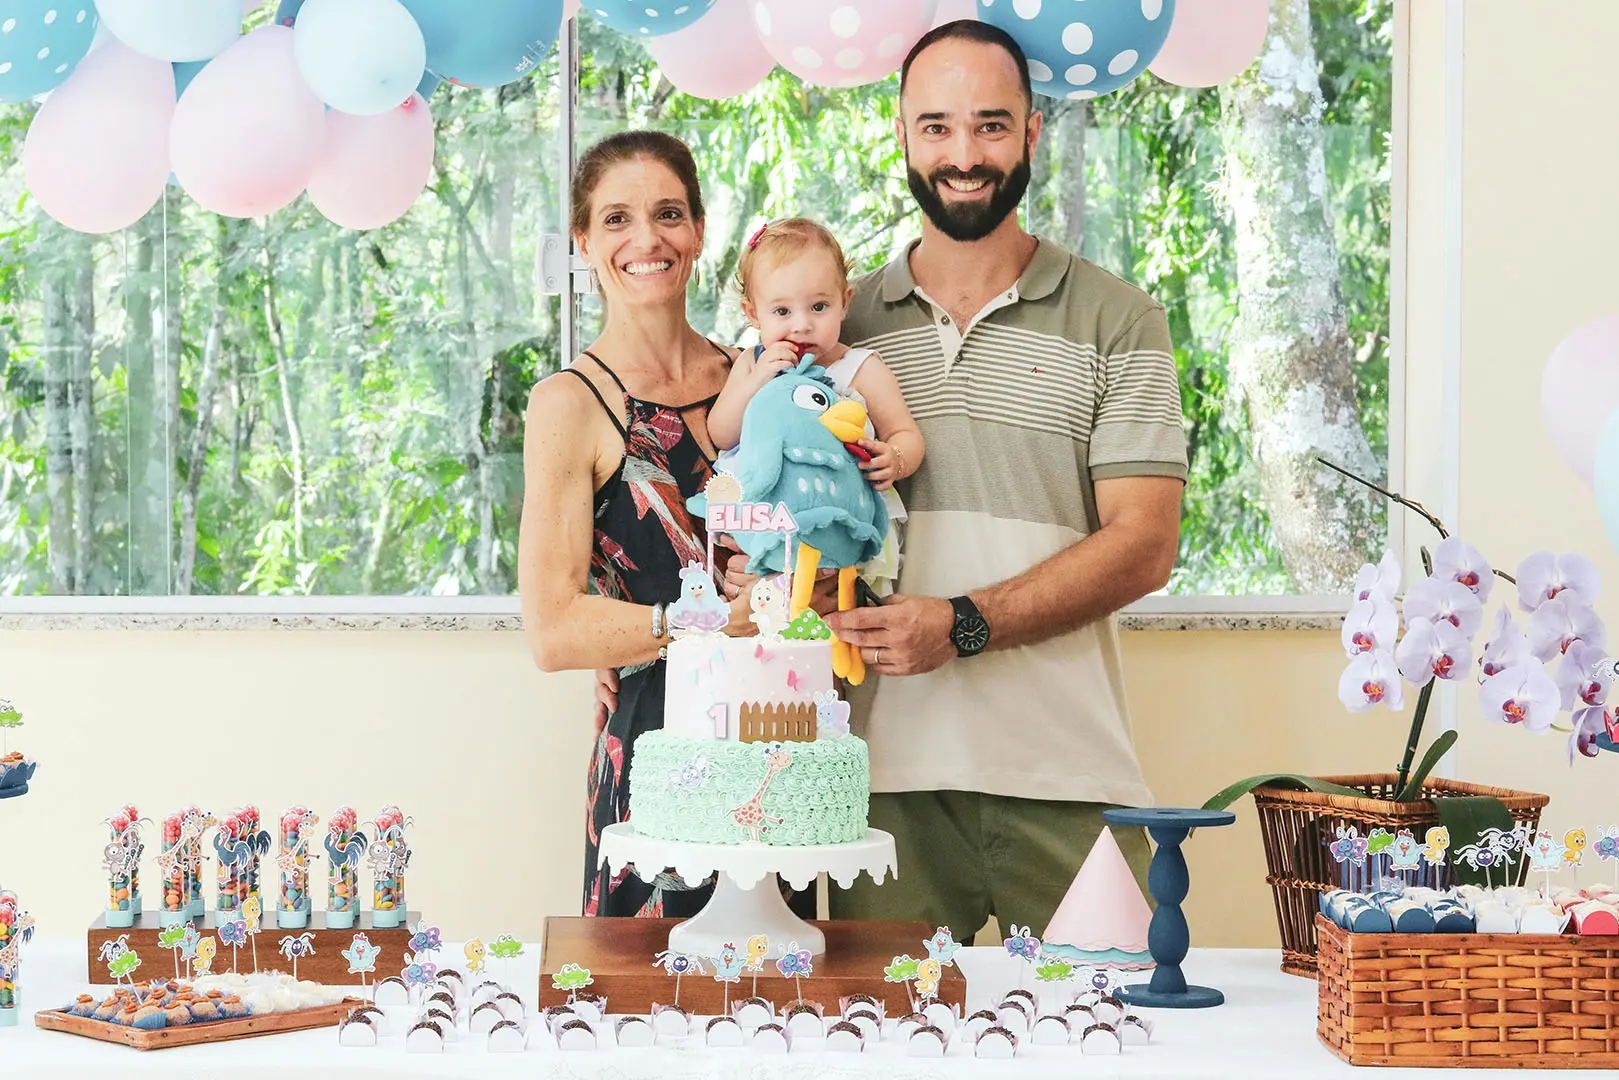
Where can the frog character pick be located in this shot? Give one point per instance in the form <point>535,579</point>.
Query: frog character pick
<point>572,978</point>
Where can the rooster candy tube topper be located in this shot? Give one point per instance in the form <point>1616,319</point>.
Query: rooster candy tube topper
<point>799,450</point>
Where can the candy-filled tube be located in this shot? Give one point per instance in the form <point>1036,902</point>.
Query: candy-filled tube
<point>176,907</point>
<point>389,856</point>
<point>296,832</point>
<point>344,847</point>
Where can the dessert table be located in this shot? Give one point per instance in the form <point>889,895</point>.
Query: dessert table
<point>1266,1029</point>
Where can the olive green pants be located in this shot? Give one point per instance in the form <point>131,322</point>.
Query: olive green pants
<point>964,856</point>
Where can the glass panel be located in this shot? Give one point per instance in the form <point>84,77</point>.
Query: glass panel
<point>1140,182</point>
<point>280,406</point>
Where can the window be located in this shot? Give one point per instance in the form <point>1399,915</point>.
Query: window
<point>203,407</point>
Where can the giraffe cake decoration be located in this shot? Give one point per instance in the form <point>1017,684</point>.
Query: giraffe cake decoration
<point>755,746</point>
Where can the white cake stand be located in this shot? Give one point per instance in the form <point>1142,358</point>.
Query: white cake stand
<point>738,910</point>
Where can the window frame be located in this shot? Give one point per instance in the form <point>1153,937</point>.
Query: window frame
<point>1290,611</point>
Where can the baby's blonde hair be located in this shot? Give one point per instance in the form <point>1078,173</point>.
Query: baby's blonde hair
<point>785,239</point>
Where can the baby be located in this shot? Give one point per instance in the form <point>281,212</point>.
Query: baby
<point>795,290</point>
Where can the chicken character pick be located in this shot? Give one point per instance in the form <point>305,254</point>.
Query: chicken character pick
<point>758,950</point>
<point>728,968</point>
<point>362,956</point>
<point>800,448</point>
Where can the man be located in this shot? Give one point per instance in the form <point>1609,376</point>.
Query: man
<point>1049,499</point>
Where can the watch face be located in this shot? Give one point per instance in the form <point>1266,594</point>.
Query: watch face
<point>971,634</point>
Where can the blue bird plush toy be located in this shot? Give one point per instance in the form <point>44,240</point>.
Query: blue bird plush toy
<point>798,448</point>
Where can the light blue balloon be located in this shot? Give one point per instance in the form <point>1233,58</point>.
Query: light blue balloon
<point>1605,476</point>
<point>490,43</point>
<point>641,18</point>
<point>41,42</point>
<point>1080,50</point>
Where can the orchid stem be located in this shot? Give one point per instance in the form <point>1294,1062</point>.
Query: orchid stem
<point>1415,737</point>
<point>1409,504</point>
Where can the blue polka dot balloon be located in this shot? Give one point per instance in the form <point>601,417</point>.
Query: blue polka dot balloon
<point>647,18</point>
<point>1081,48</point>
<point>41,42</point>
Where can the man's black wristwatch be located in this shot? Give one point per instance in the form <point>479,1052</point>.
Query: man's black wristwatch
<point>970,632</point>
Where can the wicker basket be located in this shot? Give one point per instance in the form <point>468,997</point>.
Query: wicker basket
<point>1298,825</point>
<point>1519,1001</point>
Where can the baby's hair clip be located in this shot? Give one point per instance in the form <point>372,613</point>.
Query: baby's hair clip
<point>758,234</point>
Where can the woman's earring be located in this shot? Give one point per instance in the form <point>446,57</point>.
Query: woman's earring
<point>696,276</point>
<point>595,281</point>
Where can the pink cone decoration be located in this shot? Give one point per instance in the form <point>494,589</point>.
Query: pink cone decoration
<point>97,154</point>
<point>248,131</point>
<point>841,42</point>
<point>374,167</point>
<point>1212,41</point>
<point>1103,909</point>
<point>1579,390</point>
<point>718,56</point>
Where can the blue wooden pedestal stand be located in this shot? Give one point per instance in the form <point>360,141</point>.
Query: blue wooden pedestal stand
<point>1167,880</point>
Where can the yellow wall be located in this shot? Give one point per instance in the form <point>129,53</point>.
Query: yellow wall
<point>1541,218</point>
<point>489,755</point>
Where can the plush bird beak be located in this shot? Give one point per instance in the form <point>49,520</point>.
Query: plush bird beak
<point>846,421</point>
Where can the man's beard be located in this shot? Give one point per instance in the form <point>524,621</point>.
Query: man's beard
<point>970,221</point>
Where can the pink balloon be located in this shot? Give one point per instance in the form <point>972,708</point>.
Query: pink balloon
<point>1579,389</point>
<point>97,154</point>
<point>374,167</point>
<point>1212,41</point>
<point>952,10</point>
<point>248,131</point>
<point>718,56</point>
<point>841,42</point>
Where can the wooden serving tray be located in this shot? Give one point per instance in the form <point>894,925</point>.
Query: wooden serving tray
<point>193,1034</point>
<point>619,954</point>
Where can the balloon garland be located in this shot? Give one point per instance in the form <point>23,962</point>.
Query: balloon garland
<point>330,98</point>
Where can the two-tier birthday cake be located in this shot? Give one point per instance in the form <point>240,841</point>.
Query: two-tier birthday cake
<point>755,744</point>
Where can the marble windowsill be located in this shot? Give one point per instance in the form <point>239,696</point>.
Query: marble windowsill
<point>350,621</point>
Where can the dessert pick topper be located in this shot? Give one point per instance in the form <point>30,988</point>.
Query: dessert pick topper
<point>1024,946</point>
<point>795,964</point>
<point>120,959</point>
<point>678,964</point>
<point>1546,857</point>
<point>728,968</point>
<point>252,912</point>
<point>928,974</point>
<point>1494,848</point>
<point>1436,842</point>
<point>572,978</point>
<point>902,970</point>
<point>758,951</point>
<point>362,956</point>
<point>475,951</point>
<point>768,599</point>
<point>1404,853</point>
<point>294,947</point>
<point>1607,848</point>
<point>169,938</point>
<point>1053,969</point>
<point>207,948</point>
<point>942,946</point>
<point>233,932</point>
<point>506,948</point>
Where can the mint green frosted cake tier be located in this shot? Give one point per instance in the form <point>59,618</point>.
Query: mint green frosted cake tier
<point>687,789</point>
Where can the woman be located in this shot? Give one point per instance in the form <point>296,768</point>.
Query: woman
<point>615,445</point>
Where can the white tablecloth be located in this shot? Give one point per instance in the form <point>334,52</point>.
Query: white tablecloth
<point>1265,1030</point>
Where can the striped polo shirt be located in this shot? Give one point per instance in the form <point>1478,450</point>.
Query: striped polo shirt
<point>1065,379</point>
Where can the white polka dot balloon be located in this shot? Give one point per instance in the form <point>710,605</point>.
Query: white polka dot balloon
<point>841,42</point>
<point>647,18</point>
<point>41,42</point>
<point>1081,48</point>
